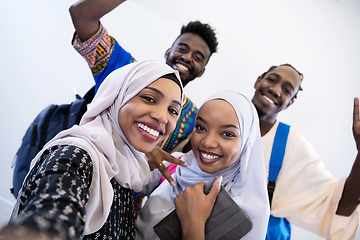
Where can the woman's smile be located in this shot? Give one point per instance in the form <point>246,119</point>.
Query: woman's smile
<point>149,133</point>
<point>208,157</point>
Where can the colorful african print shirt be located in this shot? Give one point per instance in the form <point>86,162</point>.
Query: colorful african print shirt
<point>103,54</point>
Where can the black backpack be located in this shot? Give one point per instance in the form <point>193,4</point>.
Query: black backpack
<point>49,122</point>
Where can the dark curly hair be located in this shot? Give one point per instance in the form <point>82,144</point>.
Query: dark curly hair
<point>287,65</point>
<point>205,31</point>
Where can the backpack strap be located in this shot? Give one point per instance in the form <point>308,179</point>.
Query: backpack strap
<point>277,156</point>
<point>90,94</point>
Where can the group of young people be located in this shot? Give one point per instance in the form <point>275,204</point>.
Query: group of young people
<point>85,181</point>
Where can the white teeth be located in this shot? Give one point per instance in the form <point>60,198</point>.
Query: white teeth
<point>207,156</point>
<point>268,99</point>
<point>149,130</point>
<point>181,67</point>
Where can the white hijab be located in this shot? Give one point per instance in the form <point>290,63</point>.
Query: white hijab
<point>244,180</point>
<point>100,135</point>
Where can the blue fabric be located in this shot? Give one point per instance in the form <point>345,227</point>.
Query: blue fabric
<point>278,228</point>
<point>119,58</point>
<point>278,151</point>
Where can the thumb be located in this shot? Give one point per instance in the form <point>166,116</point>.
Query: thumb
<point>215,189</point>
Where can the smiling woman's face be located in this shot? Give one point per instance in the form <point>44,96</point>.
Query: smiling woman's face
<point>216,141</point>
<point>151,115</point>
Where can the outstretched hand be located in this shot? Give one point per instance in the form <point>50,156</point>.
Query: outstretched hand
<point>351,193</point>
<point>193,208</point>
<point>356,123</point>
<point>155,159</point>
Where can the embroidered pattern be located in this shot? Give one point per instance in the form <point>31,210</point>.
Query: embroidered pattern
<point>97,50</point>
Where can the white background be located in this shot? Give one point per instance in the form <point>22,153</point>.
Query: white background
<point>319,37</point>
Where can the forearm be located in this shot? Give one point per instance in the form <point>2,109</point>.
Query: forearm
<point>350,198</point>
<point>57,193</point>
<point>86,14</point>
<point>193,208</point>
<point>193,231</point>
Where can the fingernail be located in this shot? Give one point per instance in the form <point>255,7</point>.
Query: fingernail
<point>173,183</point>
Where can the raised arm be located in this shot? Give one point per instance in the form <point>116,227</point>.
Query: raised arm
<point>351,194</point>
<point>86,14</point>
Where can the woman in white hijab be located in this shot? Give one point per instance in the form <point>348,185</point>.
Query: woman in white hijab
<point>82,183</point>
<point>226,142</point>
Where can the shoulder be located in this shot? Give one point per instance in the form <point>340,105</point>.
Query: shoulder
<point>296,143</point>
<point>297,139</point>
<point>301,153</point>
<point>293,137</point>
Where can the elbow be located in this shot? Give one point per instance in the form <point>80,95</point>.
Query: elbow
<point>78,10</point>
<point>73,11</point>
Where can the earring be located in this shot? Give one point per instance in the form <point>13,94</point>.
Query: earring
<point>155,113</point>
